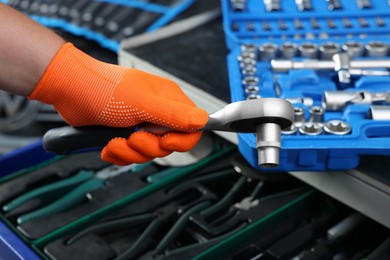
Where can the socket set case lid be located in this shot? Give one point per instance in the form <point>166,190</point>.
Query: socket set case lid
<point>301,20</point>
<point>287,49</point>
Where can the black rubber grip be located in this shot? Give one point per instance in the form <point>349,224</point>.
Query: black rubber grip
<point>66,140</point>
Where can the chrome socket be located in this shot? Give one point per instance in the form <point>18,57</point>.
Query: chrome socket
<point>316,115</point>
<point>252,48</point>
<point>268,142</point>
<point>377,49</point>
<point>290,130</point>
<point>268,51</point>
<point>250,81</point>
<point>253,96</point>
<point>380,112</point>
<point>308,50</point>
<point>299,116</point>
<point>310,128</point>
<point>249,70</point>
<point>288,50</point>
<point>337,127</point>
<point>252,90</point>
<point>353,49</point>
<point>328,49</point>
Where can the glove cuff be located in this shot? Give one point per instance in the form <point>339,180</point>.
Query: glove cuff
<point>78,85</point>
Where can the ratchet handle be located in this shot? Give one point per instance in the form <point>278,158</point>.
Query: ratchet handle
<point>69,140</point>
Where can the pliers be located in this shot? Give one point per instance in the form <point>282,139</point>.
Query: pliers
<point>64,194</point>
<point>153,222</point>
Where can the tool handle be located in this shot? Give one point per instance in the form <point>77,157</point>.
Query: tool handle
<point>67,139</point>
<point>70,200</point>
<point>46,192</point>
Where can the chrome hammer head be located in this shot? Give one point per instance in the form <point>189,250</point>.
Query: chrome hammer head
<point>266,117</point>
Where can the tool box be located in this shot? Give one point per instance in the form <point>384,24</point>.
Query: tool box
<point>106,21</point>
<point>217,208</point>
<point>331,60</point>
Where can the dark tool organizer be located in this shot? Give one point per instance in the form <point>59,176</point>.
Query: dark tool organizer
<point>341,102</point>
<point>206,210</point>
<point>107,21</point>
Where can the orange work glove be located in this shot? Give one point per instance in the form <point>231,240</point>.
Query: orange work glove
<point>86,91</point>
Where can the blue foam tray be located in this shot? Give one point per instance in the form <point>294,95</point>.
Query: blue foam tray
<point>303,152</point>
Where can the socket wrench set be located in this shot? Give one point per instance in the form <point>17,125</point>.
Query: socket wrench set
<point>107,21</point>
<point>331,60</point>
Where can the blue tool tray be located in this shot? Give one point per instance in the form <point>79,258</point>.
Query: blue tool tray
<point>248,24</point>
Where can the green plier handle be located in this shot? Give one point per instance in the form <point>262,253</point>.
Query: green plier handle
<point>51,191</point>
<point>68,201</point>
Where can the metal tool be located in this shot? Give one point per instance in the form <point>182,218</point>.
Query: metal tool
<point>310,128</point>
<point>303,5</point>
<point>247,62</point>
<point>307,101</point>
<point>246,55</point>
<point>379,22</point>
<point>265,117</point>
<point>299,116</point>
<point>316,115</point>
<point>235,27</point>
<point>347,23</point>
<point>288,50</point>
<point>337,127</point>
<point>268,51</point>
<point>308,50</point>
<point>272,5</point>
<point>331,24</point>
<point>314,24</point>
<point>77,187</point>
<point>341,62</point>
<point>253,96</point>
<point>76,9</point>
<point>282,25</point>
<point>249,70</point>
<point>249,48</point>
<point>328,49</point>
<point>250,26</point>
<point>380,112</point>
<point>252,90</point>
<point>250,81</point>
<point>238,5</point>
<point>297,24</point>
<point>266,26</point>
<point>377,49</point>
<point>292,129</point>
<point>334,5</point>
<point>363,4</point>
<point>363,22</point>
<point>353,49</point>
<point>338,100</point>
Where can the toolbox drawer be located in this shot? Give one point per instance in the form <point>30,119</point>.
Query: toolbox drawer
<point>202,211</point>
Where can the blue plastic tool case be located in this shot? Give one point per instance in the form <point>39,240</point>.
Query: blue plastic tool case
<point>248,23</point>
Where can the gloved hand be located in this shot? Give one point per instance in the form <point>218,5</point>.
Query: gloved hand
<point>86,91</point>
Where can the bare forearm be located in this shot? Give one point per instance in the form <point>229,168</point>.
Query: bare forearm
<point>26,49</point>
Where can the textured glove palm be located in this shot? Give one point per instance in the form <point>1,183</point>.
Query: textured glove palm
<point>86,91</point>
